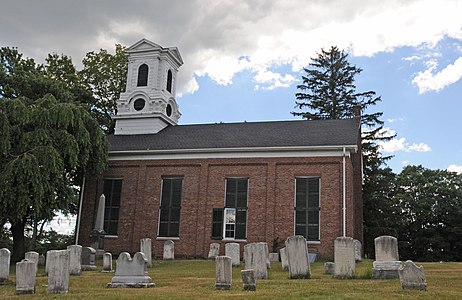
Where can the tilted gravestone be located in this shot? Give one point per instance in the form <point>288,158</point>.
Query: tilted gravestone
<point>145,247</point>
<point>256,257</point>
<point>5,256</point>
<point>248,280</point>
<point>88,259</point>
<point>58,271</point>
<point>75,252</point>
<point>386,262</point>
<point>131,273</point>
<point>223,273</point>
<point>344,257</point>
<point>214,250</point>
<point>32,256</point>
<point>169,250</point>
<point>25,276</point>
<point>107,262</point>
<point>297,256</point>
<point>412,277</point>
<point>284,262</point>
<point>233,250</point>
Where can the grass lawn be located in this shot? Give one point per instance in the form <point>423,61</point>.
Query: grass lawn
<point>196,279</point>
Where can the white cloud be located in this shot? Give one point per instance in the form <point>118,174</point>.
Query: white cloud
<point>455,168</point>
<point>430,80</point>
<point>393,120</point>
<point>400,144</point>
<point>420,147</point>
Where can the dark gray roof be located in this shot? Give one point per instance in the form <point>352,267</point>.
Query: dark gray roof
<point>243,135</point>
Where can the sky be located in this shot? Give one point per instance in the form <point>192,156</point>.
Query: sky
<point>243,60</point>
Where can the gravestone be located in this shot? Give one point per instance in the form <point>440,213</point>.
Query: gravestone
<point>265,246</point>
<point>233,250</point>
<point>297,256</point>
<point>32,256</point>
<point>47,262</point>
<point>344,257</point>
<point>41,260</point>
<point>169,250</point>
<point>58,271</point>
<point>75,256</point>
<point>107,262</point>
<point>214,250</point>
<point>145,247</point>
<point>284,262</point>
<point>255,258</point>
<point>248,280</point>
<point>25,276</point>
<point>274,257</point>
<point>223,273</point>
<point>131,273</point>
<point>412,277</point>
<point>97,234</point>
<point>386,262</point>
<point>329,268</point>
<point>358,250</point>
<point>88,259</point>
<point>5,256</point>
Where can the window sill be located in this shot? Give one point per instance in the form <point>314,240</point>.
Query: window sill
<point>234,240</point>
<point>111,237</point>
<point>314,242</point>
<point>164,238</point>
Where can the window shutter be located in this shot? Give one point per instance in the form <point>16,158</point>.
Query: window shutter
<point>217,223</point>
<point>241,220</point>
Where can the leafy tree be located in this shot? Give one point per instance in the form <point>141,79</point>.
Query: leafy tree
<point>45,145</point>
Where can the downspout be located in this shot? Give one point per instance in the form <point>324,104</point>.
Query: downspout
<point>77,229</point>
<point>344,194</point>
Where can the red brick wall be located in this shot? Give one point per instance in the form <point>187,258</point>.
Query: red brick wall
<point>270,201</point>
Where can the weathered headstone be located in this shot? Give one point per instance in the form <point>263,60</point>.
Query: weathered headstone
<point>32,256</point>
<point>88,259</point>
<point>265,246</point>
<point>169,250</point>
<point>131,273</point>
<point>97,235</point>
<point>358,250</point>
<point>75,256</point>
<point>412,277</point>
<point>233,250</point>
<point>296,249</point>
<point>284,261</point>
<point>145,247</point>
<point>274,257</point>
<point>214,250</point>
<point>344,257</point>
<point>256,257</point>
<point>107,262</point>
<point>329,268</point>
<point>248,280</point>
<point>386,262</point>
<point>223,273</point>
<point>5,256</point>
<point>25,276</point>
<point>47,262</point>
<point>58,271</point>
<point>41,260</point>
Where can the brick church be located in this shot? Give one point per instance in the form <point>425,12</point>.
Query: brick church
<point>237,182</point>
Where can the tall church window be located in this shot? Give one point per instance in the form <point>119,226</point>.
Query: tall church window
<point>143,75</point>
<point>307,207</point>
<point>230,222</point>
<point>169,81</point>
<point>112,190</point>
<point>170,206</point>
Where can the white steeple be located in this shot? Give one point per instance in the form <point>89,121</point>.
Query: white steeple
<point>149,105</point>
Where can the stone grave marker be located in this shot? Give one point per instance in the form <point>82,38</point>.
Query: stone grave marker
<point>41,260</point>
<point>265,246</point>
<point>107,262</point>
<point>214,250</point>
<point>233,250</point>
<point>58,271</point>
<point>255,258</point>
<point>145,247</point>
<point>284,262</point>
<point>25,276</point>
<point>131,273</point>
<point>386,262</point>
<point>274,257</point>
<point>358,250</point>
<point>223,273</point>
<point>344,257</point>
<point>88,259</point>
<point>169,250</point>
<point>75,256</point>
<point>32,256</point>
<point>5,256</point>
<point>329,268</point>
<point>412,277</point>
<point>297,255</point>
<point>248,280</point>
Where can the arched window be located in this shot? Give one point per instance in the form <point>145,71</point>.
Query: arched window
<point>169,81</point>
<point>143,75</point>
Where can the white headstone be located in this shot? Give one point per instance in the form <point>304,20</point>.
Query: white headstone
<point>75,252</point>
<point>386,262</point>
<point>32,256</point>
<point>169,250</point>
<point>5,256</point>
<point>107,262</point>
<point>358,250</point>
<point>274,257</point>
<point>284,261</point>
<point>214,250</point>
<point>25,276</point>
<point>223,273</point>
<point>329,268</point>
<point>131,272</point>
<point>145,247</point>
<point>256,257</point>
<point>412,277</point>
<point>233,250</point>
<point>344,257</point>
<point>297,255</point>
<point>248,280</point>
<point>58,271</point>
<point>88,259</point>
